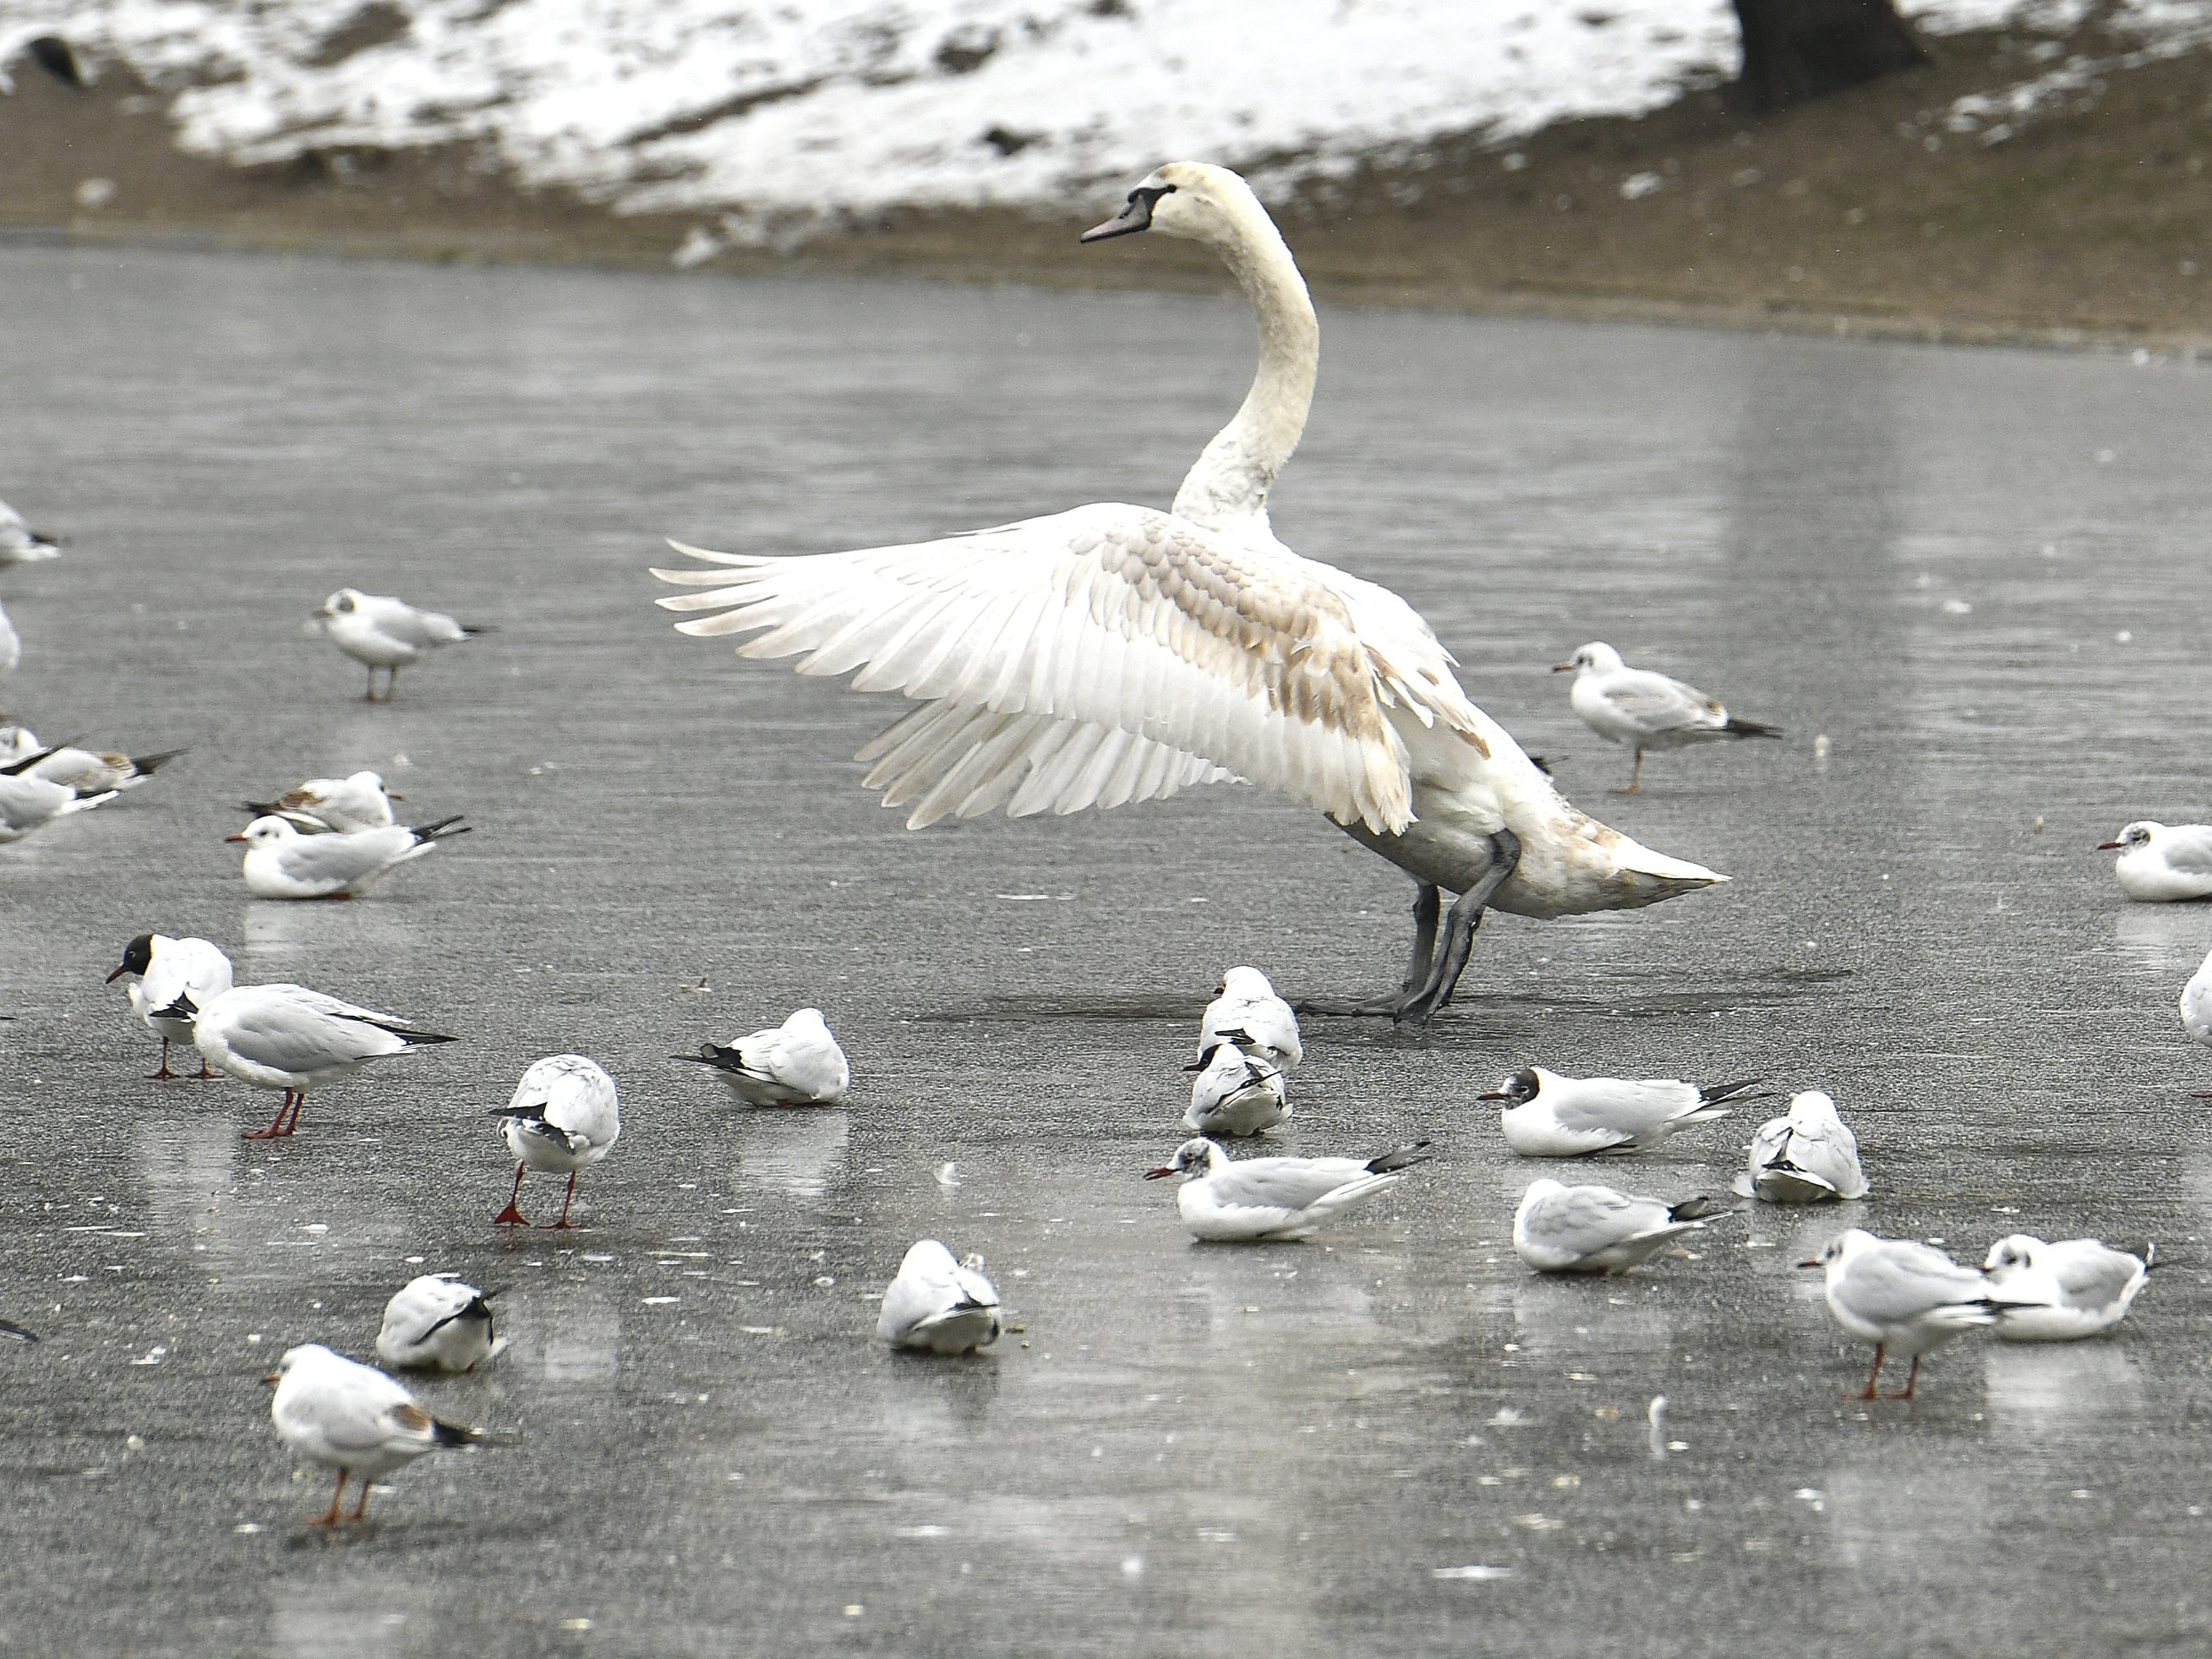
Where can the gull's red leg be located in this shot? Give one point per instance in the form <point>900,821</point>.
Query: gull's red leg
<point>205,1075</point>
<point>165,1072</point>
<point>274,1129</point>
<point>360,1509</point>
<point>1878,1352</point>
<point>1912,1380</point>
<point>299,1099</point>
<point>511,1217</point>
<point>566,1202</point>
<point>330,1517</point>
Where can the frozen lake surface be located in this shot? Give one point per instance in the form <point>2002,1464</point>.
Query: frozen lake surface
<point>1980,575</point>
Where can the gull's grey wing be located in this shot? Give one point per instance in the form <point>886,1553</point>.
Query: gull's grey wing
<point>1284,1183</point>
<point>292,1038</point>
<point>340,858</point>
<point>1583,1220</point>
<point>2189,848</point>
<point>1658,703</point>
<point>1629,1107</point>
<point>1902,1281</point>
<point>2094,1281</point>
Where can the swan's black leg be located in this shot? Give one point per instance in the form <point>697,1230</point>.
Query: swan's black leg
<point>1443,980</point>
<point>1428,906</point>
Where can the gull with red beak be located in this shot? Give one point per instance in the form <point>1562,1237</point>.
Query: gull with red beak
<point>2162,863</point>
<point>1904,1297</point>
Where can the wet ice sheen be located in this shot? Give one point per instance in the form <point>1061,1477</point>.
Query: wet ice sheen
<point>1283,1462</point>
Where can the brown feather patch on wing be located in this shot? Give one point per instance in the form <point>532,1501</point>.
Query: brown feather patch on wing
<point>411,1416</point>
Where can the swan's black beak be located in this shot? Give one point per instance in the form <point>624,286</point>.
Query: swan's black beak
<point>1136,217</point>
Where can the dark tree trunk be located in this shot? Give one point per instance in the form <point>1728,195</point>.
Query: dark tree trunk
<point>1796,50</point>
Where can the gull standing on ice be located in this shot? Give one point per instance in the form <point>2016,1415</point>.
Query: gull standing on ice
<point>564,1117</point>
<point>28,803</point>
<point>796,1063</point>
<point>2159,863</point>
<point>1238,1091</point>
<point>1807,1156</point>
<point>1115,654</point>
<point>1551,1115</point>
<point>289,1037</point>
<point>1276,1198</point>
<point>20,544</point>
<point>938,1304</point>
<point>1634,705</point>
<point>162,969</point>
<point>1245,1001</point>
<point>2059,1292</point>
<point>352,1418</point>
<point>322,805</point>
<point>1559,1229</point>
<point>436,1323</point>
<point>382,632</point>
<point>1903,1296</point>
<point>281,863</point>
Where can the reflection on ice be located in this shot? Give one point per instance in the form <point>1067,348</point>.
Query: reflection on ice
<point>2057,1391</point>
<point>359,1613</point>
<point>572,1339</point>
<point>290,940</point>
<point>189,1167</point>
<point>1578,1320</point>
<point>791,1151</point>
<point>1902,1519</point>
<point>2165,941</point>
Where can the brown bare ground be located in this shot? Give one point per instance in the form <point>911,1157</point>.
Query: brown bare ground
<point>1861,214</point>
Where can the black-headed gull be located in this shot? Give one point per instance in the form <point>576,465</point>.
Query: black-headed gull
<point>357,802</point>
<point>352,1418</point>
<point>2059,1292</point>
<point>564,1118</point>
<point>281,863</point>
<point>2195,1003</point>
<point>29,803</point>
<point>1115,654</point>
<point>1238,1091</point>
<point>796,1063</point>
<point>1549,1115</point>
<point>436,1323</point>
<point>1651,711</point>
<point>289,1037</point>
<point>939,1304</point>
<point>1276,1198</point>
<point>1558,1229</point>
<point>1245,1001</point>
<point>1808,1156</point>
<point>2161,863</point>
<point>383,632</point>
<point>20,544</point>
<point>96,774</point>
<point>162,969</point>
<point>1901,1295</point>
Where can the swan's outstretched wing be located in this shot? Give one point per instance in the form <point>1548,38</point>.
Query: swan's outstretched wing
<point>1103,655</point>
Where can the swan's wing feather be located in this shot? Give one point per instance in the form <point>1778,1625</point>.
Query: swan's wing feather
<point>1142,652</point>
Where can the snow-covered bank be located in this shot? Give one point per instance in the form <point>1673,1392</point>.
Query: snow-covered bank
<point>778,120</point>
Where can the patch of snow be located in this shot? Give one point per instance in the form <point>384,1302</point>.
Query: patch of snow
<point>782,121</point>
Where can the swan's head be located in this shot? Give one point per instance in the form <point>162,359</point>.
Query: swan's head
<point>1196,199</point>
<point>1597,657</point>
<point>2136,835</point>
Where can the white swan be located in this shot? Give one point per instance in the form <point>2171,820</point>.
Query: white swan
<point>1115,654</point>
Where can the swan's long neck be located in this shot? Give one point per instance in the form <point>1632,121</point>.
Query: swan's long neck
<point>1228,488</point>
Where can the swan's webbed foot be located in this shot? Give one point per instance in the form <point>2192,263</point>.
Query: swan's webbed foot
<point>1428,905</point>
<point>1434,973</point>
